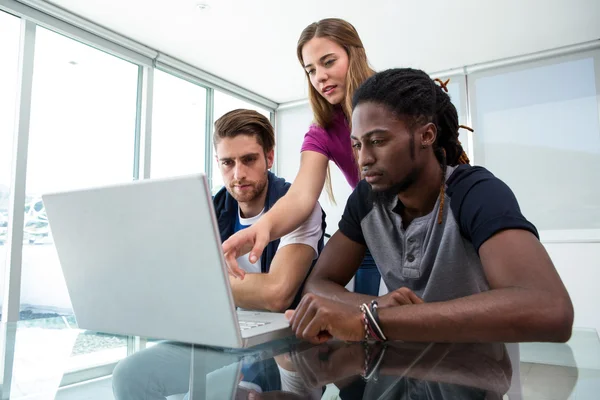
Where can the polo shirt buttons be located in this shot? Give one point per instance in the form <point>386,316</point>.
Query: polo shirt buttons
<point>410,258</point>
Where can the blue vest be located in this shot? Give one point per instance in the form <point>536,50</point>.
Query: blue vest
<point>226,208</point>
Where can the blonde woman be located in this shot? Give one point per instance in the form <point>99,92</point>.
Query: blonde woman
<point>335,62</point>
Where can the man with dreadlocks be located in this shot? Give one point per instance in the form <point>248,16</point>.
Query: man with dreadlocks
<point>461,262</point>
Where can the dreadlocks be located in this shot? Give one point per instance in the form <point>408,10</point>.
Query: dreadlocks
<point>412,95</point>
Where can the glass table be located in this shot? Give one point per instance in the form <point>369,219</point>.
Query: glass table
<point>51,358</point>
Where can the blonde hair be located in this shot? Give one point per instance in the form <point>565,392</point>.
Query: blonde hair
<point>345,35</point>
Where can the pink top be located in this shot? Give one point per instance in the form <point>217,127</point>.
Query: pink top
<point>335,144</point>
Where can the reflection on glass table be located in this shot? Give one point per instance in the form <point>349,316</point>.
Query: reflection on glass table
<point>40,363</point>
<point>302,371</point>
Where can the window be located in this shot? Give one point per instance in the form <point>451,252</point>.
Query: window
<point>223,104</point>
<point>9,49</point>
<point>537,128</point>
<point>178,126</point>
<point>457,92</point>
<point>82,134</point>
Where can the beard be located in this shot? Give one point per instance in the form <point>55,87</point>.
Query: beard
<point>248,195</point>
<point>387,195</point>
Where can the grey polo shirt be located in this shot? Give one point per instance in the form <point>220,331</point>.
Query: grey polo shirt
<point>437,261</point>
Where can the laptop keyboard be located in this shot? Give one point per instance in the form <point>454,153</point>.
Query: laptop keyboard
<point>246,325</point>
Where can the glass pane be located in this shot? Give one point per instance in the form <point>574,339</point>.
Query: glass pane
<point>454,90</point>
<point>9,48</point>
<point>178,126</point>
<point>82,134</point>
<point>223,104</point>
<point>46,349</point>
<point>538,130</point>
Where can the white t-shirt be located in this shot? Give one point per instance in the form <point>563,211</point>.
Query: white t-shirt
<point>291,381</point>
<point>308,233</point>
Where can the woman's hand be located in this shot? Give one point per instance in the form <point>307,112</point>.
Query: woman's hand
<point>251,240</point>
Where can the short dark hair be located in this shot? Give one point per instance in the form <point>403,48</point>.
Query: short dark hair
<point>245,122</point>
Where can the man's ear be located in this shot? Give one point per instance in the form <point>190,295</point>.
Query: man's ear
<point>270,158</point>
<point>428,134</point>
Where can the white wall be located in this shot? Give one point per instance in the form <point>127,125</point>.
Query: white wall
<point>579,267</point>
<point>290,127</point>
<point>577,263</point>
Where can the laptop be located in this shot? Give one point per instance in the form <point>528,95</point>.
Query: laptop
<point>144,258</point>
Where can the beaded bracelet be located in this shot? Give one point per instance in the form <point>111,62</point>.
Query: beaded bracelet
<point>363,308</point>
<point>372,328</point>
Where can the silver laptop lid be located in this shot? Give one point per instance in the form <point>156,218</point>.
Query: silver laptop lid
<point>144,258</point>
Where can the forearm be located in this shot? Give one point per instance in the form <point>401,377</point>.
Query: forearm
<point>338,263</point>
<point>258,292</point>
<point>334,291</point>
<point>280,221</point>
<point>501,315</point>
<point>293,209</point>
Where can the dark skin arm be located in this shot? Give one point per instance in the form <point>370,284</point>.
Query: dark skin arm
<point>336,266</point>
<point>527,301</point>
<point>338,263</point>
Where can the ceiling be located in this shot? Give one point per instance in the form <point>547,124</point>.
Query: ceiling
<point>252,43</point>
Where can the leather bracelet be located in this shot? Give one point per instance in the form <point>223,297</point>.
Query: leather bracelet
<point>379,335</point>
<point>374,306</point>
